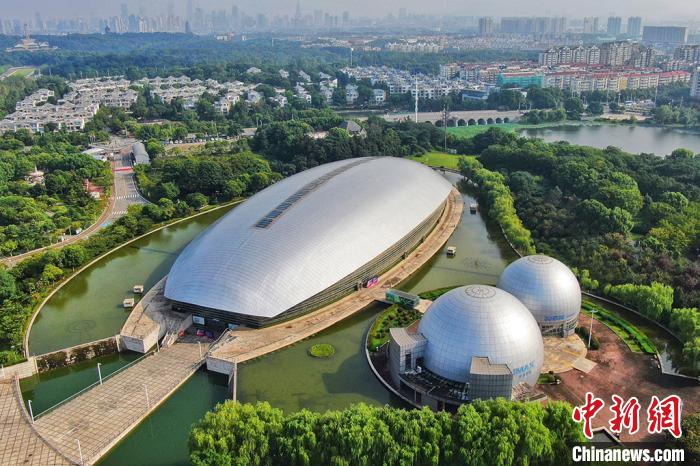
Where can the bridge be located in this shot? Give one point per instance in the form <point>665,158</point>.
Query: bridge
<point>459,118</point>
<point>85,426</point>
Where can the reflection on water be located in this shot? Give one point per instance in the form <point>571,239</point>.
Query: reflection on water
<point>635,139</point>
<point>89,307</point>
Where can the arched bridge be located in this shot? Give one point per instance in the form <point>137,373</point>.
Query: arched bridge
<point>460,118</point>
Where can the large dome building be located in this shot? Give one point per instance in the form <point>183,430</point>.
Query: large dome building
<point>473,342</point>
<point>306,241</point>
<point>548,289</point>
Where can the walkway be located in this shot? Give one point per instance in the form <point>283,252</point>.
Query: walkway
<point>243,345</point>
<point>100,416</point>
<point>19,442</point>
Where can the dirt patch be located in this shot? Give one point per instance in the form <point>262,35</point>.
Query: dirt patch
<point>624,373</point>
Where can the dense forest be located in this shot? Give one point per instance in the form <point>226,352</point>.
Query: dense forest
<point>630,223</point>
<point>291,147</point>
<point>138,55</point>
<point>36,212</point>
<point>494,432</point>
<point>216,173</point>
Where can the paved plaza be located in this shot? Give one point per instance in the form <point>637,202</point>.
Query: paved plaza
<point>20,443</point>
<point>562,354</point>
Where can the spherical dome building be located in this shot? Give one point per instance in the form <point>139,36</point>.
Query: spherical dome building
<point>548,289</point>
<point>469,324</point>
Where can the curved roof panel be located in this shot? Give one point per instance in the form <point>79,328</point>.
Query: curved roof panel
<point>545,286</point>
<point>303,234</point>
<point>484,322</point>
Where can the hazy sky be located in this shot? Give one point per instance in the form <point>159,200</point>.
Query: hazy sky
<point>651,10</point>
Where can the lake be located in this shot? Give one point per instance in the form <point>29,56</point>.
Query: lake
<point>631,138</point>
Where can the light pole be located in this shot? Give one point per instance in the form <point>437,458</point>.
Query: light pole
<point>99,371</point>
<point>590,330</point>
<point>148,401</point>
<point>80,451</point>
<point>31,412</point>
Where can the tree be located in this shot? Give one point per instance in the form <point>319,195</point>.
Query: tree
<point>72,256</point>
<point>653,300</point>
<point>51,273</point>
<point>8,287</point>
<point>574,107</point>
<point>681,153</point>
<point>197,200</point>
<point>154,148</point>
<point>595,108</point>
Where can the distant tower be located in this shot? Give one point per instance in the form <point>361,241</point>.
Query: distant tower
<point>416,100</point>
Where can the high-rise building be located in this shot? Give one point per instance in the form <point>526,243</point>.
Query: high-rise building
<point>125,11</point>
<point>590,25</point>
<point>533,25</point>
<point>687,53</point>
<point>486,26</point>
<point>665,34</point>
<point>634,26</point>
<point>615,53</point>
<point>695,84</point>
<point>614,25</point>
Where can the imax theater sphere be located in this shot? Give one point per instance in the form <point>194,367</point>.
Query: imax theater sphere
<point>307,241</point>
<point>476,332</point>
<point>548,289</point>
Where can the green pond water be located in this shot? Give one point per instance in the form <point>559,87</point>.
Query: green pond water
<point>288,379</point>
<point>89,307</point>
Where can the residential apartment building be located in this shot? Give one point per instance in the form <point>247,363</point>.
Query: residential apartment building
<point>695,84</point>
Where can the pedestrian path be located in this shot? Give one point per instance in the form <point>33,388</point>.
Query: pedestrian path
<point>20,444</point>
<point>86,426</point>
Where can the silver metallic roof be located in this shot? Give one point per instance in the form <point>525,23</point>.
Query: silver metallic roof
<point>545,286</point>
<point>140,154</point>
<point>303,234</point>
<point>481,321</point>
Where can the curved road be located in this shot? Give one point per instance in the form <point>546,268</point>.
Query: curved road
<point>124,194</point>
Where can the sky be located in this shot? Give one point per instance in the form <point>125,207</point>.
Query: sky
<point>651,10</point>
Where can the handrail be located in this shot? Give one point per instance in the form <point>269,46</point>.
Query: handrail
<point>107,377</point>
<point>215,342</point>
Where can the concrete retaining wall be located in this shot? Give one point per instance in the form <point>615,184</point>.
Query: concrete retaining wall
<point>76,354</point>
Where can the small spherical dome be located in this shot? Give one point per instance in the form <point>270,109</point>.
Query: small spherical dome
<point>545,286</point>
<point>481,321</point>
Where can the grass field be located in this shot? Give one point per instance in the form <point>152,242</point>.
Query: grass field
<point>634,338</point>
<point>23,72</point>
<point>438,159</point>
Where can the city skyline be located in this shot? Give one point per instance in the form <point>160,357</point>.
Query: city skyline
<point>678,10</point>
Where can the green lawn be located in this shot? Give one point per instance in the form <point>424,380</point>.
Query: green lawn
<point>634,338</point>
<point>23,72</point>
<point>438,159</point>
<point>392,317</point>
